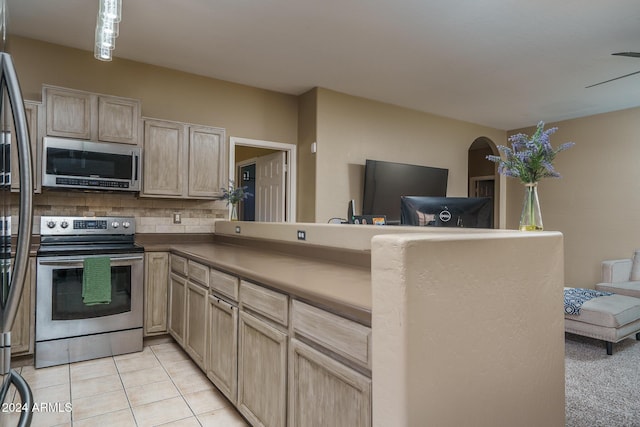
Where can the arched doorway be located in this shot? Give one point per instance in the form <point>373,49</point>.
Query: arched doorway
<point>483,174</point>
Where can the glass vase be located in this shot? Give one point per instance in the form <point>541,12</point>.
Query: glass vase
<point>234,212</point>
<point>531,218</point>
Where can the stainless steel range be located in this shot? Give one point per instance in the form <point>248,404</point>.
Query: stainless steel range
<point>68,327</point>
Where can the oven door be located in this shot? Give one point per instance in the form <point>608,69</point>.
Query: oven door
<point>60,312</point>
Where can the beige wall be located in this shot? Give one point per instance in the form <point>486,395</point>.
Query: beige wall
<point>475,336</point>
<point>166,94</point>
<point>351,130</point>
<point>243,111</point>
<point>596,202</point>
<point>245,153</point>
<point>307,135</point>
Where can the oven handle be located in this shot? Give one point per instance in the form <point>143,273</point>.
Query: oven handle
<point>70,262</point>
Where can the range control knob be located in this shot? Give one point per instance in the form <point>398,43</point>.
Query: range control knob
<point>126,224</point>
<point>115,224</point>
<point>51,224</point>
<point>64,224</point>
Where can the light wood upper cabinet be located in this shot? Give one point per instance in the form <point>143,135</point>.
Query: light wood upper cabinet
<point>84,115</point>
<point>207,160</point>
<point>164,151</point>
<point>183,161</point>
<point>23,330</point>
<point>69,112</point>
<point>156,280</point>
<point>118,119</point>
<point>33,111</point>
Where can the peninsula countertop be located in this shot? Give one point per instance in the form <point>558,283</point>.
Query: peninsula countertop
<point>342,288</point>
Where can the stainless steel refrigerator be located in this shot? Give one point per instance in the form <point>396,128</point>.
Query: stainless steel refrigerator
<point>14,135</point>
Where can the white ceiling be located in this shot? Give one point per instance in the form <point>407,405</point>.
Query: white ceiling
<point>501,63</point>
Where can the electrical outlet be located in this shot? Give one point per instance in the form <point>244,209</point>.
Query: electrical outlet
<point>177,218</point>
<point>237,229</point>
<point>302,235</point>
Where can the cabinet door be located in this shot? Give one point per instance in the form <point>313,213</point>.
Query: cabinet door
<point>262,372</point>
<point>222,349</point>
<point>195,336</point>
<point>164,151</point>
<point>23,330</point>
<point>324,392</point>
<point>33,111</point>
<point>69,112</point>
<point>118,119</point>
<point>207,161</point>
<point>156,281</point>
<point>177,305</point>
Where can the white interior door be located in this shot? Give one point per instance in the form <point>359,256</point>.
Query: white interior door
<point>270,187</point>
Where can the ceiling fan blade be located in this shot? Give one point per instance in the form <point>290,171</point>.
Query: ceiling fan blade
<point>630,54</point>
<point>610,80</point>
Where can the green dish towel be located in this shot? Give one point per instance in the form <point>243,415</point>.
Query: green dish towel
<point>96,281</point>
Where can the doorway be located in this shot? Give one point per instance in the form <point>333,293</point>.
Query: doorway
<point>247,178</point>
<point>483,174</point>
<point>270,171</point>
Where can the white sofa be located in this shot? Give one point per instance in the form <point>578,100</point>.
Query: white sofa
<point>621,276</point>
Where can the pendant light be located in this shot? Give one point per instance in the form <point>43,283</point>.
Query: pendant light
<point>107,27</point>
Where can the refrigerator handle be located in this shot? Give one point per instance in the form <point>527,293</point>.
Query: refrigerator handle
<point>8,76</point>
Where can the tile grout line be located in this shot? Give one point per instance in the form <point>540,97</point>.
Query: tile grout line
<point>133,414</point>
<point>176,386</point>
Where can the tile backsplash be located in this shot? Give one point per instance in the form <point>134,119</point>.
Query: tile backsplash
<point>152,215</point>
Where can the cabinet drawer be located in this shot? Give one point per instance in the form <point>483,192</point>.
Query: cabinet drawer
<point>342,336</point>
<point>198,273</point>
<point>179,265</point>
<point>272,305</point>
<point>224,284</point>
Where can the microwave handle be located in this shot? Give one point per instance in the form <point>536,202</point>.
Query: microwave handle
<point>136,165</point>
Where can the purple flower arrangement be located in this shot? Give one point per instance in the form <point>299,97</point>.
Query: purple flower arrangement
<point>234,194</point>
<point>530,158</point>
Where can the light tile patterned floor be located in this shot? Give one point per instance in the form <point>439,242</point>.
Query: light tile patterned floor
<point>159,386</point>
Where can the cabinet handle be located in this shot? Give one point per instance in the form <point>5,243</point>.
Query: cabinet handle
<point>225,304</point>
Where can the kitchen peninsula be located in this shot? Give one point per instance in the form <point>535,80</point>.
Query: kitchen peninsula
<point>374,325</point>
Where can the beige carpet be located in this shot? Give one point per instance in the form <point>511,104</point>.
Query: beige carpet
<point>602,390</point>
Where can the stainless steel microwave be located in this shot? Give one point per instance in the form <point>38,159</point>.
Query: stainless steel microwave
<point>69,163</point>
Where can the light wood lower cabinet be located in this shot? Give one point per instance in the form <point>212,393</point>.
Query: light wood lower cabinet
<point>196,322</point>
<point>262,372</point>
<point>177,300</point>
<point>23,330</point>
<point>324,392</point>
<point>281,362</point>
<point>156,280</point>
<point>222,349</point>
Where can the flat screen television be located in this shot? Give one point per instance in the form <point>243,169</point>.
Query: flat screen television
<point>386,182</point>
<point>470,212</point>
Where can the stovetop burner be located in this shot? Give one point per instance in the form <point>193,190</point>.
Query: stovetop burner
<point>87,235</point>
<point>88,249</point>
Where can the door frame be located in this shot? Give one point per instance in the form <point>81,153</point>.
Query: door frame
<point>291,156</point>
